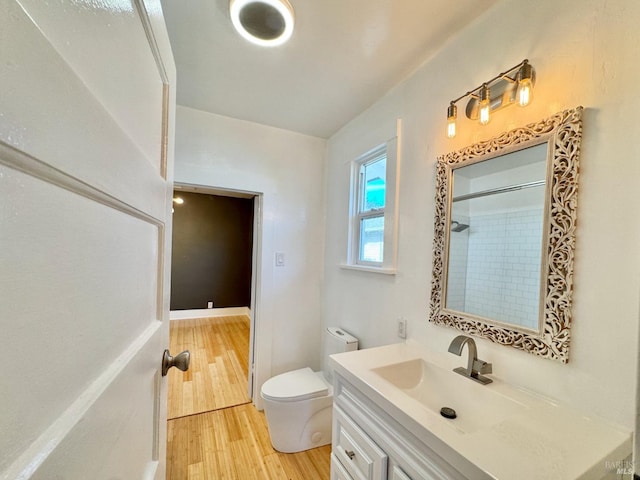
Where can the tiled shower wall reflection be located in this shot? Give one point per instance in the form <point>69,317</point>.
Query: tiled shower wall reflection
<point>502,267</point>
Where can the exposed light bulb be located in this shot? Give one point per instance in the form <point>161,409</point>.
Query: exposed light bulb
<point>484,113</point>
<point>451,128</point>
<point>485,104</point>
<point>178,200</point>
<point>524,93</point>
<point>452,114</point>
<point>525,84</point>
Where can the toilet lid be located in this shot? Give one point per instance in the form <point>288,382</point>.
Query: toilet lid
<point>296,385</point>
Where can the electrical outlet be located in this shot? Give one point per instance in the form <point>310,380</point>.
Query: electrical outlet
<point>402,328</point>
<point>209,304</point>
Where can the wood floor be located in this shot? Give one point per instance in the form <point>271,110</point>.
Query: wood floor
<point>217,376</point>
<point>233,444</point>
<point>207,439</point>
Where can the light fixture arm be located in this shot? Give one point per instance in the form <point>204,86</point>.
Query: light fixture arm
<point>472,93</point>
<point>518,74</point>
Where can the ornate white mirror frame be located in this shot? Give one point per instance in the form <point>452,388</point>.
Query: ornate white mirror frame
<point>563,133</point>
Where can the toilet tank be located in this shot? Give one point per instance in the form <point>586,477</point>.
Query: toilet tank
<point>337,340</point>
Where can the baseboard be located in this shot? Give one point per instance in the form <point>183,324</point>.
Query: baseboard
<point>209,312</point>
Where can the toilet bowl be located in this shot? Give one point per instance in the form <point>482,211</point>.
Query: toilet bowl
<point>298,404</point>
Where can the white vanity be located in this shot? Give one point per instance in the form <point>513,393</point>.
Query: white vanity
<point>387,424</point>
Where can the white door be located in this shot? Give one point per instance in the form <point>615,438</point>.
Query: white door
<point>86,140</point>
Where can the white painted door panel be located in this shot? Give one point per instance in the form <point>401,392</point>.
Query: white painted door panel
<point>50,113</point>
<point>86,138</point>
<point>105,34</point>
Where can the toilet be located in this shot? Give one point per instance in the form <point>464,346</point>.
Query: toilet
<point>298,404</point>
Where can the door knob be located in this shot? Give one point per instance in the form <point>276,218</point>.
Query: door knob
<point>180,361</point>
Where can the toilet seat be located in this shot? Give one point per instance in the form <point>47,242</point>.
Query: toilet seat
<point>296,385</point>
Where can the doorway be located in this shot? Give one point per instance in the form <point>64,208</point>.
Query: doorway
<point>218,371</point>
<point>224,289</point>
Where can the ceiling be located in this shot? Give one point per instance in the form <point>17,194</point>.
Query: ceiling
<point>342,57</point>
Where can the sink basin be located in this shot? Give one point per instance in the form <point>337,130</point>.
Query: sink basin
<point>501,431</point>
<point>477,406</point>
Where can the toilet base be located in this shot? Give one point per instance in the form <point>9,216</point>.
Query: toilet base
<point>316,432</point>
<point>295,426</point>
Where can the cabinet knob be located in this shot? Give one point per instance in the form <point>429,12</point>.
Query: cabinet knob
<point>350,454</point>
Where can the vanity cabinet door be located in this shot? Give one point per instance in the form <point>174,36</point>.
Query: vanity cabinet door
<point>398,474</point>
<point>364,431</point>
<point>358,454</point>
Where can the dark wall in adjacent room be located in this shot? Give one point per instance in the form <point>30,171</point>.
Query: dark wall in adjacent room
<point>212,251</point>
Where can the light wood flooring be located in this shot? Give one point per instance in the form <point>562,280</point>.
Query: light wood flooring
<point>233,444</point>
<point>217,376</point>
<point>214,433</point>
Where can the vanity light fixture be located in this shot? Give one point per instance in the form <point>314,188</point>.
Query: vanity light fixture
<point>452,114</point>
<point>524,79</point>
<point>506,88</point>
<point>485,104</point>
<point>267,23</point>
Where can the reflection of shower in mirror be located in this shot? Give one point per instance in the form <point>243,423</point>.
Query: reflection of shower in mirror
<point>458,227</point>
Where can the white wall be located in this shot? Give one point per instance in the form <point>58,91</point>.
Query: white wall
<point>287,169</point>
<point>584,53</point>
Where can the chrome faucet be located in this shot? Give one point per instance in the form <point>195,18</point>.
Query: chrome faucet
<point>474,366</point>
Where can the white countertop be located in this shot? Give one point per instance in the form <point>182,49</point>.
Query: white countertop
<point>543,440</point>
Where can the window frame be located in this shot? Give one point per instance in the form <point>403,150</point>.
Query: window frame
<point>390,148</point>
<point>360,197</point>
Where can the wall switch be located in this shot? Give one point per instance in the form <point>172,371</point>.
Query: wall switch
<point>402,328</point>
<point>209,304</point>
<point>279,259</point>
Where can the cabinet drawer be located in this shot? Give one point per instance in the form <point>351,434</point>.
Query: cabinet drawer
<point>337,470</point>
<point>357,453</point>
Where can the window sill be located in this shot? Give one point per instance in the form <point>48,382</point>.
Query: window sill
<point>363,268</point>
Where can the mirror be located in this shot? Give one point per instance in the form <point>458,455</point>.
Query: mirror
<point>505,235</point>
<point>495,239</point>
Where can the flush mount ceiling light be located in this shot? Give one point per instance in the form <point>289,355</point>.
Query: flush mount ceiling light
<point>268,23</point>
<point>513,86</point>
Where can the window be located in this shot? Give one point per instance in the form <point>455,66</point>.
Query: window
<point>371,192</point>
<point>373,226</point>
